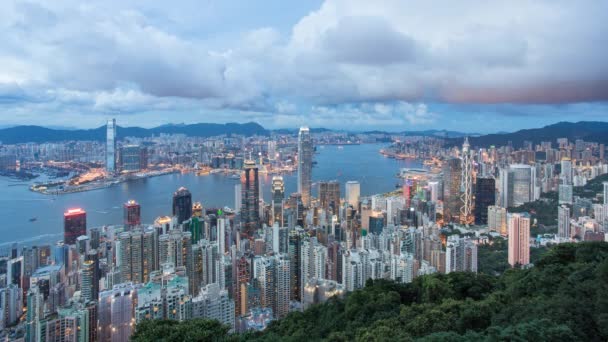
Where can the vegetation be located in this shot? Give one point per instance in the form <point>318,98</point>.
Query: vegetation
<point>544,210</point>
<point>493,259</point>
<point>562,298</point>
<point>592,188</point>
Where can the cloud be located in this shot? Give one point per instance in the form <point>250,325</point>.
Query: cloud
<point>384,63</point>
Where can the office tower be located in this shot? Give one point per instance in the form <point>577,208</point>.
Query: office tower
<point>497,219</point>
<point>116,313</point>
<point>563,222</point>
<point>376,222</point>
<point>133,158</point>
<point>250,199</point>
<point>111,147</point>
<point>132,214</point>
<point>329,196</point>
<point>605,184</point>
<point>519,239</point>
<point>517,185</point>
<point>214,302</point>
<point>485,196</point>
<point>278,195</point>
<point>89,286</point>
<point>566,170</point>
<point>452,171</point>
<point>460,255</point>
<point>272,149</point>
<point>136,255</point>
<point>466,185</point>
<point>305,154</point>
<point>74,225</point>
<point>237,197</point>
<point>295,257</point>
<point>352,193</point>
<point>434,191</point>
<point>195,227</point>
<point>565,193</point>
<point>182,205</point>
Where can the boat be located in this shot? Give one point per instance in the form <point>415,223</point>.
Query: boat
<point>33,219</point>
<point>235,176</point>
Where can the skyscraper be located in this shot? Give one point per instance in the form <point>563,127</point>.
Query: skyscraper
<point>132,214</point>
<point>517,185</point>
<point>563,222</point>
<point>605,184</point>
<point>111,146</point>
<point>136,255</point>
<point>497,219</point>
<point>519,239</point>
<point>89,286</point>
<point>329,196</point>
<point>305,152</point>
<point>74,225</point>
<point>452,171</point>
<point>182,205</point>
<point>278,195</point>
<point>485,196</point>
<point>566,170</point>
<point>250,199</point>
<point>466,185</point>
<point>238,197</point>
<point>461,255</point>
<point>353,192</point>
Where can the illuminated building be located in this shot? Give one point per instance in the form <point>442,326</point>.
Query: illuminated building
<point>466,185</point>
<point>133,158</point>
<point>116,313</point>
<point>74,225</point>
<point>182,205</point>
<point>452,171</point>
<point>136,255</point>
<point>352,193</point>
<point>132,214</point>
<point>197,209</point>
<point>278,195</point>
<point>250,199</point>
<point>305,154</point>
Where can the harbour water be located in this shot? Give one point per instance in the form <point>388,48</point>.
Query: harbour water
<point>19,206</point>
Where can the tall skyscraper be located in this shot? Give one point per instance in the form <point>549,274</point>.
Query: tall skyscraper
<point>329,196</point>
<point>517,185</point>
<point>519,239</point>
<point>452,171</point>
<point>74,225</point>
<point>238,195</point>
<point>278,195</point>
<point>132,214</point>
<point>485,196</point>
<point>353,192</point>
<point>305,153</point>
<point>89,286</point>
<point>250,199</point>
<point>111,146</point>
<point>182,205</point>
<point>136,255</point>
<point>466,184</point>
<point>563,222</point>
<point>566,170</point>
<point>605,184</point>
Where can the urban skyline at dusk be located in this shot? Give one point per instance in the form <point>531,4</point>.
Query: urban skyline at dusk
<point>326,170</point>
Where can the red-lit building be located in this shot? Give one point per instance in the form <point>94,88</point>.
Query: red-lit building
<point>74,225</point>
<point>132,214</point>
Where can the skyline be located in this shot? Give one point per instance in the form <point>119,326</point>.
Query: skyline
<point>399,66</point>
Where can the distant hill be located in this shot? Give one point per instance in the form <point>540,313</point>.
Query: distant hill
<point>38,134</point>
<point>595,131</point>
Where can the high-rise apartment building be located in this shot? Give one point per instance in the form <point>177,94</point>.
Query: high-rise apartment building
<point>563,222</point>
<point>136,255</point>
<point>305,154</point>
<point>460,255</point>
<point>74,225</point>
<point>519,239</point>
<point>497,219</point>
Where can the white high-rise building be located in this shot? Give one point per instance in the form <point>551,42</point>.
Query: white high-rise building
<point>214,303</point>
<point>605,193</point>
<point>111,146</point>
<point>497,219</point>
<point>353,193</point>
<point>565,193</point>
<point>566,172</point>
<point>517,185</point>
<point>434,190</point>
<point>460,255</point>
<point>563,222</point>
<point>237,197</point>
<point>466,184</point>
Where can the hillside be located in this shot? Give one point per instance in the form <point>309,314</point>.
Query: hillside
<point>595,131</point>
<point>38,134</point>
<point>562,298</point>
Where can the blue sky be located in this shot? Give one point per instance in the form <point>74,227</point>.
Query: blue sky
<point>469,65</point>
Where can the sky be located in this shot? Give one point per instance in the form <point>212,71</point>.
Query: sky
<point>472,66</point>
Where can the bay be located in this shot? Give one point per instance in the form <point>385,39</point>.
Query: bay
<point>18,205</point>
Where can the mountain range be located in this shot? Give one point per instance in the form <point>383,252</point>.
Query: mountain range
<point>595,131</point>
